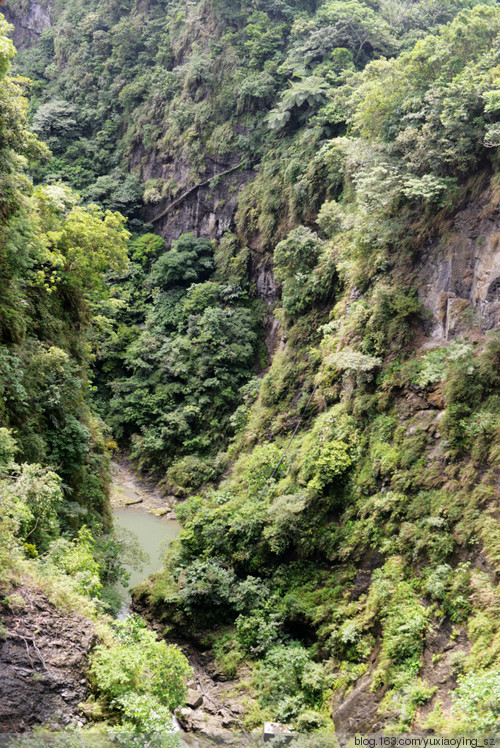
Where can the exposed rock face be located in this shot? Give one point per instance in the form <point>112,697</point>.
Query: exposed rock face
<point>42,663</point>
<point>29,23</point>
<point>207,207</point>
<point>261,273</point>
<point>205,204</point>
<point>459,280</point>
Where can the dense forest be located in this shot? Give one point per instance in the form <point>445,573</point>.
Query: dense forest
<point>255,247</point>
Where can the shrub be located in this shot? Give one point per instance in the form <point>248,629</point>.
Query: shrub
<point>294,260</point>
<point>188,474</point>
<point>140,677</point>
<point>209,590</point>
<point>477,699</point>
<point>289,682</point>
<point>325,464</point>
<point>259,466</point>
<point>189,261</point>
<point>404,622</point>
<point>76,559</point>
<point>257,632</point>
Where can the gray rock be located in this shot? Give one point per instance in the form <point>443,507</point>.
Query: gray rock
<point>29,20</point>
<point>194,699</point>
<point>43,660</point>
<point>459,276</point>
<point>271,729</point>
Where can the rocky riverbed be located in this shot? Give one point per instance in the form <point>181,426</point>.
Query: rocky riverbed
<point>214,704</point>
<point>127,490</point>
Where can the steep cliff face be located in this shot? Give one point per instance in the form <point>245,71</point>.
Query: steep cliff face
<point>205,205</point>
<point>29,19</point>
<point>459,274</point>
<point>43,660</point>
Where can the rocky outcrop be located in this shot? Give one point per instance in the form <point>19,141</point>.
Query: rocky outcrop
<point>260,272</point>
<point>43,659</point>
<point>204,203</point>
<point>29,20</point>
<point>459,275</point>
<point>214,709</point>
<point>207,206</point>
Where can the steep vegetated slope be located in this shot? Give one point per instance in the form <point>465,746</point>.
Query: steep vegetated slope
<point>326,173</point>
<point>58,556</point>
<point>53,252</point>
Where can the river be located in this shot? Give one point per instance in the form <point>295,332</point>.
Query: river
<point>141,513</point>
<point>140,510</point>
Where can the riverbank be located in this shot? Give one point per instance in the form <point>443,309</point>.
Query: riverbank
<point>214,709</point>
<point>144,523</point>
<point>128,490</point>
<point>214,704</point>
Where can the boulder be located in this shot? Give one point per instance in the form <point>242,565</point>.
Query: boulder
<point>271,729</point>
<point>194,698</point>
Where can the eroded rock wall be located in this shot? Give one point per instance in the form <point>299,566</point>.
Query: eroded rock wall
<point>29,20</point>
<point>459,273</point>
<point>43,662</point>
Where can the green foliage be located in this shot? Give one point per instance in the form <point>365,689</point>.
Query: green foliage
<point>76,559</point>
<point>310,91</point>
<point>295,261</point>
<point>189,473</point>
<point>140,678</point>
<point>170,388</point>
<point>8,449</point>
<point>227,656</point>
<point>88,244</point>
<point>404,621</point>
<point>449,69</point>
<point>116,192</point>
<point>55,123</point>
<point>325,464</point>
<point>292,686</point>
<point>452,588</point>
<point>476,700</point>
<point>209,588</point>
<point>257,632</point>
<point>35,498</point>
<point>54,256</point>
<point>379,113</point>
<point>146,249</point>
<point>258,467</point>
<point>188,261</point>
<point>348,25</point>
<point>16,141</point>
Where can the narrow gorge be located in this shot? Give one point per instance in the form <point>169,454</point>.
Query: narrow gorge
<point>250,367</point>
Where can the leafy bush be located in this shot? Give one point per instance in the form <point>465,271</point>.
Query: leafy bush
<point>189,260</point>
<point>209,589</point>
<point>291,684</point>
<point>477,700</point>
<point>404,623</point>
<point>326,463</point>
<point>140,678</point>
<point>33,498</point>
<point>76,559</point>
<point>452,588</point>
<point>259,466</point>
<point>257,632</point>
<point>294,260</point>
<point>188,474</point>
